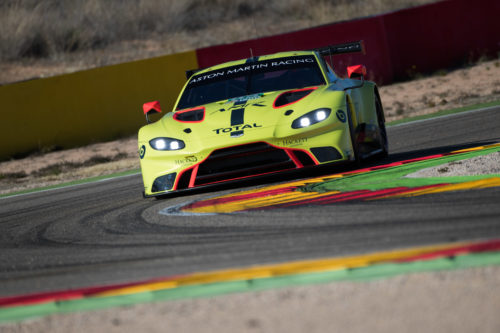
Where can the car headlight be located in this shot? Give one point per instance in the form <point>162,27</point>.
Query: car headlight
<point>311,118</point>
<point>166,144</point>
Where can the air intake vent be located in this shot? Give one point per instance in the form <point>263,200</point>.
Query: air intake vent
<point>292,96</point>
<point>242,161</point>
<point>190,116</point>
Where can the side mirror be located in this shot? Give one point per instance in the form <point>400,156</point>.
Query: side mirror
<point>151,108</point>
<point>356,71</point>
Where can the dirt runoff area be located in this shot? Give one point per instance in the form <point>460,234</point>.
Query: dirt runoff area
<point>477,83</point>
<point>448,301</point>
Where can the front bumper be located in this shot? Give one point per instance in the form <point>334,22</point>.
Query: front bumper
<point>165,172</point>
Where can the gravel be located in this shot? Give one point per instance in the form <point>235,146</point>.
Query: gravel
<point>479,165</point>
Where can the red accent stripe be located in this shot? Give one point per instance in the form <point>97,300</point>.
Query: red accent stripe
<point>193,175</point>
<point>315,161</point>
<point>489,246</point>
<point>393,164</point>
<point>337,197</point>
<point>407,190</point>
<point>248,196</point>
<point>320,200</point>
<point>423,158</point>
<point>385,192</point>
<point>247,177</point>
<point>295,160</point>
<point>195,166</point>
<point>177,113</point>
<point>356,195</point>
<point>46,297</point>
<point>292,91</point>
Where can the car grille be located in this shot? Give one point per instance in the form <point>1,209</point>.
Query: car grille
<point>244,161</point>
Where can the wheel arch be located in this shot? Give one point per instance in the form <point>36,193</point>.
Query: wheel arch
<point>377,94</point>
<point>352,108</point>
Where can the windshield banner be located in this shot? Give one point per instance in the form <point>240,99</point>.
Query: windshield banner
<point>255,67</point>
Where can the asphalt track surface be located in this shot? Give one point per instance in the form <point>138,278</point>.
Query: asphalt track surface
<point>106,233</point>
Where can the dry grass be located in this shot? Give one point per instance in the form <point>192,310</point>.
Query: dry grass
<point>58,168</point>
<point>445,90</point>
<point>62,36</point>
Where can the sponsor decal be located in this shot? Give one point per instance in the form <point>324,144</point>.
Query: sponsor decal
<point>187,160</point>
<point>341,116</point>
<point>244,98</point>
<point>236,128</point>
<point>237,124</point>
<point>238,70</point>
<point>292,62</point>
<point>142,151</point>
<point>191,159</point>
<point>293,142</point>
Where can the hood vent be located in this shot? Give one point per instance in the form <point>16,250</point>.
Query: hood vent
<point>291,96</point>
<point>195,115</point>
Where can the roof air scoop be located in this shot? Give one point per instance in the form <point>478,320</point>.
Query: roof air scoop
<point>291,96</point>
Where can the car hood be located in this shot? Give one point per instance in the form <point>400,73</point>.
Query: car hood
<point>248,118</point>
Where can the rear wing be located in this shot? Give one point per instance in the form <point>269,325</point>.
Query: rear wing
<point>353,47</point>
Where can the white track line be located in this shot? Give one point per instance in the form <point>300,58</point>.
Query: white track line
<point>445,116</point>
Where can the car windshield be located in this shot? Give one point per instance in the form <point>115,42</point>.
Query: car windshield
<point>251,78</point>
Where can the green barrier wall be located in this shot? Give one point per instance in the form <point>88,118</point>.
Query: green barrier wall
<point>89,106</point>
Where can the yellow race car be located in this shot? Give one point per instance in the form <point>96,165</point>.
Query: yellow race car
<point>262,115</point>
